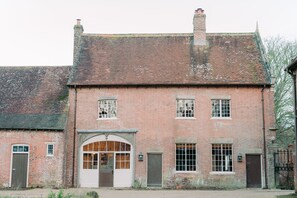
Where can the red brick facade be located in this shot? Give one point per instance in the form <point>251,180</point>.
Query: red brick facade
<point>43,170</point>
<point>152,111</point>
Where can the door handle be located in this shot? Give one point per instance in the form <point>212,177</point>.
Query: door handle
<point>13,169</point>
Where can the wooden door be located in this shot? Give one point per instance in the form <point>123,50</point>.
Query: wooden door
<point>253,171</point>
<point>106,170</point>
<point>19,170</point>
<point>154,172</point>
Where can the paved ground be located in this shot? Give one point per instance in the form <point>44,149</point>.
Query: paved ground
<point>112,193</point>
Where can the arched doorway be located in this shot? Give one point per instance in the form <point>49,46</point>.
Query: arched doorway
<point>106,161</point>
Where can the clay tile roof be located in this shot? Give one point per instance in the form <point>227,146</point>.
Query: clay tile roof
<point>33,97</point>
<point>169,59</point>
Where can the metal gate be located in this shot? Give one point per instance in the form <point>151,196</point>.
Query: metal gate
<point>284,169</point>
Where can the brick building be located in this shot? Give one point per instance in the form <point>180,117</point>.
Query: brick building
<point>189,109</point>
<point>33,114</point>
<point>163,110</point>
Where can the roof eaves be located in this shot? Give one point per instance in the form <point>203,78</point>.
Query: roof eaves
<point>292,66</point>
<point>174,85</point>
<point>32,129</point>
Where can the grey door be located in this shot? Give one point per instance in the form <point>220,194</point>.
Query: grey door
<point>106,170</point>
<point>253,171</point>
<point>19,170</point>
<point>154,172</point>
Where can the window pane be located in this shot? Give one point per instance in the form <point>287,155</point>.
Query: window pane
<point>185,108</point>
<point>123,161</point>
<point>90,161</point>
<point>50,149</point>
<point>107,108</point>
<point>222,157</point>
<point>220,108</point>
<point>225,108</point>
<point>185,157</point>
<point>216,108</point>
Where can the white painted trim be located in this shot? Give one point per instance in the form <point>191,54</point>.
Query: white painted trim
<point>47,154</point>
<point>196,150</point>
<point>28,162</point>
<point>185,118</point>
<point>221,118</point>
<point>103,138</point>
<point>116,109</point>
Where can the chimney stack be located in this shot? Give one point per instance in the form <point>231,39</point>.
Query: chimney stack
<point>199,27</point>
<point>78,30</point>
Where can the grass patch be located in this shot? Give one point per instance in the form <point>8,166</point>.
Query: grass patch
<point>60,194</point>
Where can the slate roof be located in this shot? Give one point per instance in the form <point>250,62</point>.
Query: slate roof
<point>33,97</point>
<point>169,59</point>
<point>292,66</point>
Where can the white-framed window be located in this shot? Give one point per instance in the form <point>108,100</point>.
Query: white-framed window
<point>107,108</point>
<point>221,108</point>
<point>50,149</point>
<point>185,157</point>
<point>90,160</point>
<point>20,149</point>
<point>185,108</point>
<point>222,158</point>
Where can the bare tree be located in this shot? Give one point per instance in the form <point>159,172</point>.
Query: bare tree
<point>280,53</point>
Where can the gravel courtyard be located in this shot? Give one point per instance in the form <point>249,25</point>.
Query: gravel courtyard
<point>113,193</point>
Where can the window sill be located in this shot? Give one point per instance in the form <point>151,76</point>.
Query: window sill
<point>221,118</point>
<point>185,172</point>
<point>185,118</point>
<point>221,173</point>
<point>107,119</point>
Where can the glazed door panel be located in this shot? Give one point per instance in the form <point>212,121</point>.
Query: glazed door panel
<point>106,170</point>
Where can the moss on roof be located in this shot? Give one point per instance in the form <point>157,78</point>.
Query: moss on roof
<point>33,97</point>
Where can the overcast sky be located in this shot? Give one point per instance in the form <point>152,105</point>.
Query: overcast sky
<point>40,32</point>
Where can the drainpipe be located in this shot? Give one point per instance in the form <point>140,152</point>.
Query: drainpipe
<point>293,75</point>
<point>74,135</point>
<point>264,140</point>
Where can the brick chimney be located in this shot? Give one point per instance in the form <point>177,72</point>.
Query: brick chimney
<point>78,30</point>
<point>199,27</point>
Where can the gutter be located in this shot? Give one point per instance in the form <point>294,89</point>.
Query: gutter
<point>167,85</point>
<point>264,139</point>
<point>74,135</point>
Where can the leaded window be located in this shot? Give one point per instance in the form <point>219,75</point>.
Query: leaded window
<point>185,108</point>
<point>185,157</point>
<point>221,108</point>
<point>107,108</point>
<point>222,158</point>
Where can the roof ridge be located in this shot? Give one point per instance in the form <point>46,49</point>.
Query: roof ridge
<point>162,34</point>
